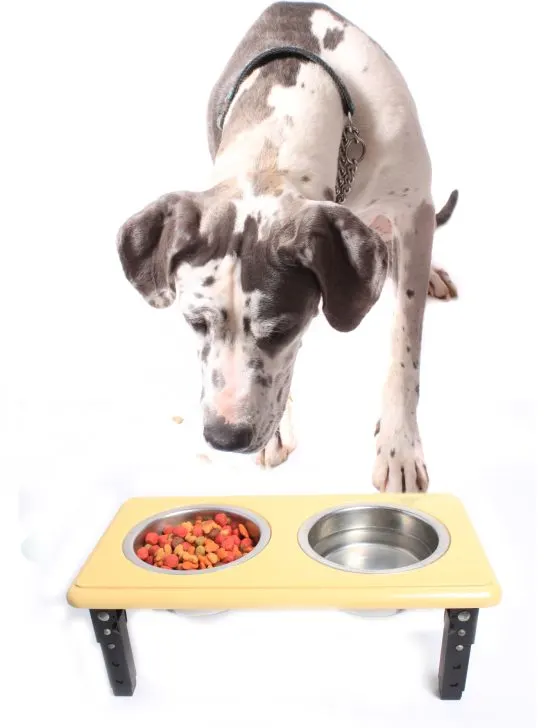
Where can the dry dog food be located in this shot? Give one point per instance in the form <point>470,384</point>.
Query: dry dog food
<point>197,544</point>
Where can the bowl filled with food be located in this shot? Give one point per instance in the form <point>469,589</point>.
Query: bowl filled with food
<point>195,540</point>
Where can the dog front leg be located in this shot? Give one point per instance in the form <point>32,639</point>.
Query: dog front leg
<point>400,465</point>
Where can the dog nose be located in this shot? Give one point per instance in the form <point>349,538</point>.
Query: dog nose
<point>231,438</point>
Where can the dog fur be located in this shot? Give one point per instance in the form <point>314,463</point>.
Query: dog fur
<point>249,260</point>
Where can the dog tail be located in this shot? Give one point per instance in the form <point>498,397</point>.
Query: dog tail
<point>447,210</point>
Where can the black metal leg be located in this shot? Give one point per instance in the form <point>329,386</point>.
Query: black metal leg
<point>110,627</point>
<point>459,635</point>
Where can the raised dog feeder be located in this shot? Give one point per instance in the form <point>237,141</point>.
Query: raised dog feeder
<point>375,554</point>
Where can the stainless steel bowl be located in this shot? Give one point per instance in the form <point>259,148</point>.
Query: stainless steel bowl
<point>374,539</point>
<point>257,527</point>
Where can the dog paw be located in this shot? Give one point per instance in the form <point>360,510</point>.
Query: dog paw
<point>440,285</point>
<point>399,464</point>
<point>281,444</point>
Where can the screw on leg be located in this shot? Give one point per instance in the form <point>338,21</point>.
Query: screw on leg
<point>459,635</point>
<point>110,627</point>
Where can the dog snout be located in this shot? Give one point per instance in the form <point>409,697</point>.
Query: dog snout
<point>230,438</point>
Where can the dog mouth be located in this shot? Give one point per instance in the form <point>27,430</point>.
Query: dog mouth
<point>237,439</point>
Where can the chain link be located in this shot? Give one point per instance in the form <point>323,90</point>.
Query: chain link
<point>351,152</point>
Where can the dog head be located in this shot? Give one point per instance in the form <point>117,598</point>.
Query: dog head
<point>249,280</point>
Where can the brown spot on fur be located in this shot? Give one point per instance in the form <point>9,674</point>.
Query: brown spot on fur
<point>305,178</point>
<point>268,179</point>
<point>333,38</point>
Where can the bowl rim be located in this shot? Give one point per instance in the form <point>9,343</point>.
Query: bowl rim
<point>129,539</point>
<point>444,538</point>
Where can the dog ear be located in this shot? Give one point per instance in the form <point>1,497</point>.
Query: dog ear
<point>348,259</point>
<point>152,243</point>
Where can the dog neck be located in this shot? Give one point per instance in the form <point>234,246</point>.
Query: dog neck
<point>269,140</point>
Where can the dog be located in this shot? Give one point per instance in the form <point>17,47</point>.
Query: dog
<point>250,260</point>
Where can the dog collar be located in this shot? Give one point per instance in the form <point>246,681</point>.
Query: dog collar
<point>352,148</point>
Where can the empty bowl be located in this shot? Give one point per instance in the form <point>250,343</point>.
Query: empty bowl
<point>374,539</point>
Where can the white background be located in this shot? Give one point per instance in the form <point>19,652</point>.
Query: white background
<point>105,112</point>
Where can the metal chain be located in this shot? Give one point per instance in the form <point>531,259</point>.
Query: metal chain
<point>351,152</point>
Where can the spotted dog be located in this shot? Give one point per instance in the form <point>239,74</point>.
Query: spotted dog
<point>250,260</point>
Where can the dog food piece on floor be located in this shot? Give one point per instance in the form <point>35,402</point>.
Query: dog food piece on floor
<point>178,420</point>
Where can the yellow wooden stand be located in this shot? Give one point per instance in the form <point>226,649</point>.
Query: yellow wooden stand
<point>283,576</point>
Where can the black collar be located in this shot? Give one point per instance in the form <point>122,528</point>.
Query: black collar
<point>285,52</point>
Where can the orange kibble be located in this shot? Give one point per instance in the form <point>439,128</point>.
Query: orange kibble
<point>213,558</point>
<point>159,555</point>
<point>208,526</point>
<point>210,546</point>
<point>243,531</point>
<point>187,565</point>
<point>221,553</point>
